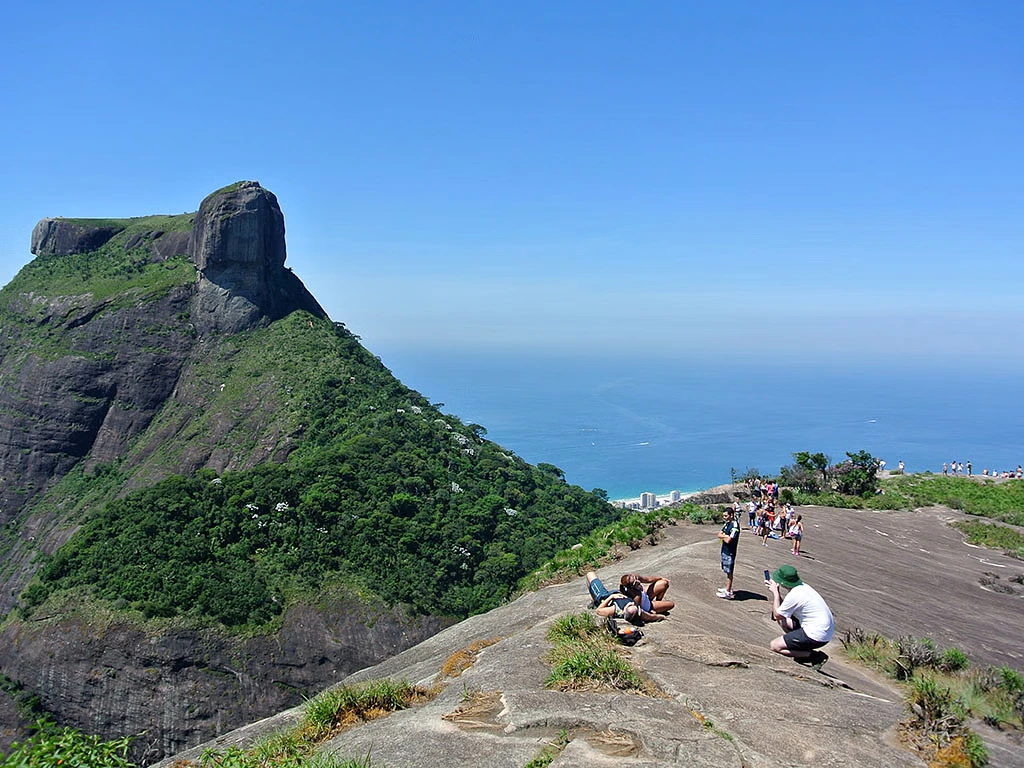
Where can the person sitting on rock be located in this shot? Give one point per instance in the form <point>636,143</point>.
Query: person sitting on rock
<point>647,591</point>
<point>804,616</point>
<point>617,604</point>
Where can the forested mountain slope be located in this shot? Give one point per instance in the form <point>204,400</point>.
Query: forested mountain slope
<point>215,500</point>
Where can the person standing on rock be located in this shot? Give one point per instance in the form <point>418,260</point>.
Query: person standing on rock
<point>804,616</point>
<point>730,538</point>
<point>796,533</point>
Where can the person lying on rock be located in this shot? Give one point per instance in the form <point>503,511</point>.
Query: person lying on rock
<point>646,591</point>
<point>617,604</point>
<point>804,616</point>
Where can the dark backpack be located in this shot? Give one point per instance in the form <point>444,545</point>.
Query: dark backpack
<point>624,632</point>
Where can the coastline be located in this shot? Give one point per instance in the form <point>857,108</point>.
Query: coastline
<point>669,498</point>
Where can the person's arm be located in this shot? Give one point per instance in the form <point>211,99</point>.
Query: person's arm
<point>606,608</point>
<point>647,616</point>
<point>785,621</point>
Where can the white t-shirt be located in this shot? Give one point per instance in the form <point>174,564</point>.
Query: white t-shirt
<point>811,611</point>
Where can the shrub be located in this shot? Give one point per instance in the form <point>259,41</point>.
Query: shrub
<point>870,648</point>
<point>934,708</point>
<point>1011,680</point>
<point>700,515</point>
<point>53,746</point>
<point>911,653</point>
<point>953,660</point>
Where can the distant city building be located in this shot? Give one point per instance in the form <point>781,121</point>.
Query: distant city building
<point>648,500</point>
<point>675,496</point>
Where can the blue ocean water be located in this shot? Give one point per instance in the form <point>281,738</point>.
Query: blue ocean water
<point>634,426</point>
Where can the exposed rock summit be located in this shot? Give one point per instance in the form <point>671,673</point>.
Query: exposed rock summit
<point>64,237</point>
<point>728,701</point>
<point>238,246</point>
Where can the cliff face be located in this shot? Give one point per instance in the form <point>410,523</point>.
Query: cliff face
<point>60,237</point>
<point>183,687</point>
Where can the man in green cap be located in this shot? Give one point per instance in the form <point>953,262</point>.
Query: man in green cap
<point>804,617</point>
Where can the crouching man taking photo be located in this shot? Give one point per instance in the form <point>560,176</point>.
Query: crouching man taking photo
<point>804,617</point>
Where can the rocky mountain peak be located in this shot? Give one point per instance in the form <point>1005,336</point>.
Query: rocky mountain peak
<point>239,229</point>
<point>63,237</point>
<point>238,246</point>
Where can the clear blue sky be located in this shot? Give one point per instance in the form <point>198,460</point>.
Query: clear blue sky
<point>578,176</point>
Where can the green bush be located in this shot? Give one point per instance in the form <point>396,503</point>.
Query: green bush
<point>699,515</point>
<point>52,746</point>
<point>953,660</point>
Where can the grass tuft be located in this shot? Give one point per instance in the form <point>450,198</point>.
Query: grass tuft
<point>585,657</point>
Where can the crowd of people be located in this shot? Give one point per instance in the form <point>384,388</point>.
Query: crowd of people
<point>955,468</point>
<point>802,614</point>
<point>771,523</point>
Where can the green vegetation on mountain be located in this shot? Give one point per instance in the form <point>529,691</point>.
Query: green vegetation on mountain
<point>382,493</point>
<point>995,535</point>
<point>1003,501</point>
<point>110,270</point>
<point>51,745</point>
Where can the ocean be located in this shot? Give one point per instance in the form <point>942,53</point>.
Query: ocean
<point>634,426</point>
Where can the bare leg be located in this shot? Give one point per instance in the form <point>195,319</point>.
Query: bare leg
<point>779,646</point>
<point>658,589</point>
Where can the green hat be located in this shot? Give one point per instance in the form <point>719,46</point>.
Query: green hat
<point>787,576</point>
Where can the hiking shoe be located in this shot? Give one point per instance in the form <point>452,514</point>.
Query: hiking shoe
<point>726,595</point>
<point>818,660</point>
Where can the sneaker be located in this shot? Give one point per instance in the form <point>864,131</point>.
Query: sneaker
<point>721,591</point>
<point>726,595</point>
<point>818,660</point>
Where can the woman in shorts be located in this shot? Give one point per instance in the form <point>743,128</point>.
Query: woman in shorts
<point>796,533</point>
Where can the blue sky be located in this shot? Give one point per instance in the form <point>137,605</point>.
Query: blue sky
<point>822,180</point>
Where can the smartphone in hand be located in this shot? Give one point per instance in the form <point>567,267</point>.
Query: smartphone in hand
<point>767,576</point>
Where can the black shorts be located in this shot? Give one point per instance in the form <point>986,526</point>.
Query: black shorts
<point>797,640</point>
